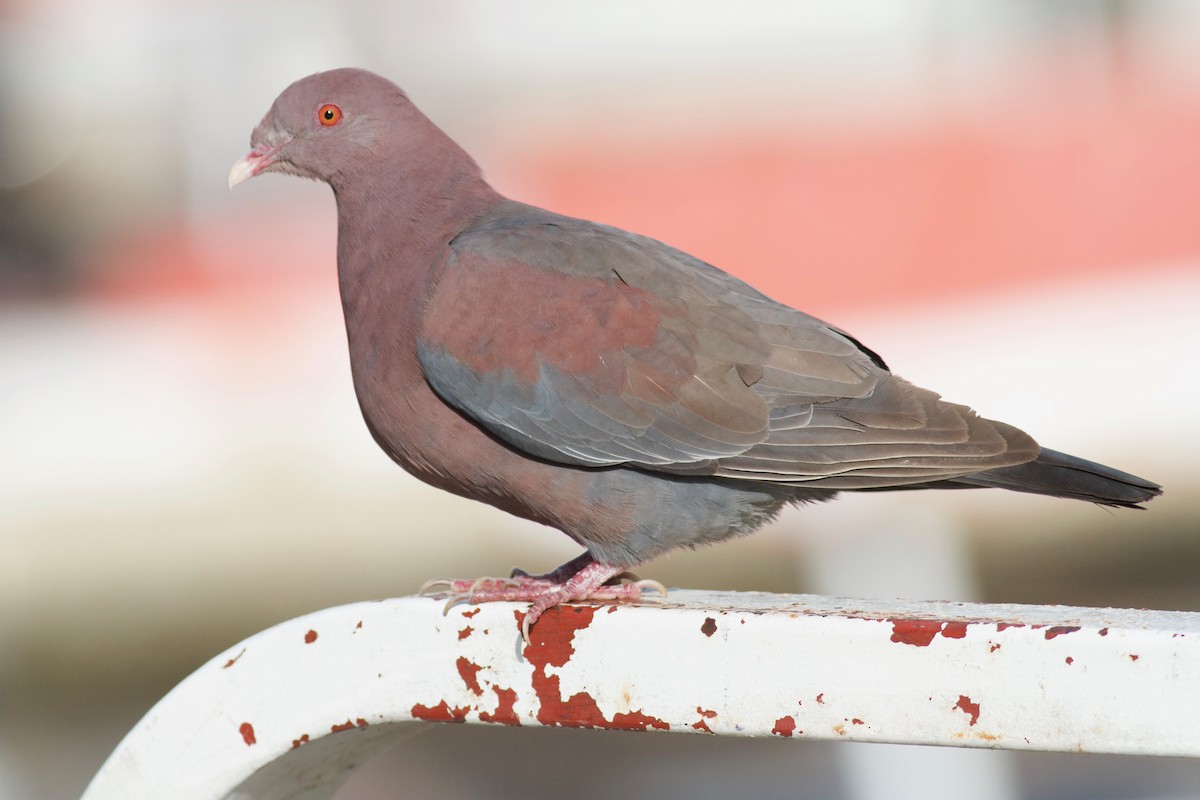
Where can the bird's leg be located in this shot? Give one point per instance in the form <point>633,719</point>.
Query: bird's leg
<point>560,574</point>
<point>582,578</point>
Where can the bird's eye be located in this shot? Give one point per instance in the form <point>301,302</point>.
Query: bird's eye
<point>329,115</point>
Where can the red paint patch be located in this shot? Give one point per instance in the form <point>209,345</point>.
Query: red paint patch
<point>348,725</point>
<point>310,637</point>
<point>1132,657</point>
<point>965,705</point>
<point>465,632</point>
<point>506,699</point>
<point>705,716</point>
<point>917,632</point>
<point>856,721</point>
<point>358,627</point>
<point>469,673</point>
<point>995,646</point>
<point>1060,630</point>
<point>302,740</point>
<point>472,612</point>
<point>709,627</point>
<point>1070,661</point>
<point>247,732</point>
<point>1002,625</point>
<point>442,712</point>
<point>637,721</point>
<point>1103,631</point>
<point>821,699</point>
<point>551,646</point>
<point>785,727</point>
<point>233,660</point>
<point>954,630</point>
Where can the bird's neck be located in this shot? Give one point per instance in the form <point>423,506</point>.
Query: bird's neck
<point>390,232</point>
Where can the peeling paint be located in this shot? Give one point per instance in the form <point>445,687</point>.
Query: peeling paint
<point>856,721</point>
<point>465,632</point>
<point>1060,630</point>
<point>1103,631</point>
<point>1070,661</point>
<point>705,716</point>
<point>993,647</point>
<point>916,632</point>
<point>785,727</point>
<point>348,725</point>
<point>472,612</point>
<point>1132,657</point>
<point>1003,625</point>
<point>233,660</point>
<point>965,705</point>
<point>442,712</point>
<point>247,732</point>
<point>310,637</point>
<point>709,627</point>
<point>302,740</point>
<point>506,700</point>
<point>821,699</point>
<point>551,646</point>
<point>469,673</point>
<point>954,630</point>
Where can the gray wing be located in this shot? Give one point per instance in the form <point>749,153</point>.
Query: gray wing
<point>601,348</point>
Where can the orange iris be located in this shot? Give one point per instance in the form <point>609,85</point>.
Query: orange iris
<point>329,114</point>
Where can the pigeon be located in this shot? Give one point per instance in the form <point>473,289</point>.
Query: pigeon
<point>597,381</point>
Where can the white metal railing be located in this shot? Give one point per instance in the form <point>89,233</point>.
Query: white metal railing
<point>289,711</point>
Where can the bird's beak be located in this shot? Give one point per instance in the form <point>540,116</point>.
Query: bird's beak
<point>252,163</point>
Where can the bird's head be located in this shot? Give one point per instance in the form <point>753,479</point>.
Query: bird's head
<point>325,126</point>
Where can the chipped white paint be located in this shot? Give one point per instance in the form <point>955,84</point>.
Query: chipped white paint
<point>290,710</point>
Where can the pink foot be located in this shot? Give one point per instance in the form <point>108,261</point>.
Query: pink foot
<point>579,579</point>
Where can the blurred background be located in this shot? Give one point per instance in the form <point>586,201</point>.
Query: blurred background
<point>1000,196</point>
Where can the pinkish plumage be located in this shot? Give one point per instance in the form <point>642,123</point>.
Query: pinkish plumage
<point>598,381</point>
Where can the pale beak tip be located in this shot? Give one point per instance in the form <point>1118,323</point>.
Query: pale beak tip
<point>242,171</point>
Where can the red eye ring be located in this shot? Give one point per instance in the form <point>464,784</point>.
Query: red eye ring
<point>329,115</point>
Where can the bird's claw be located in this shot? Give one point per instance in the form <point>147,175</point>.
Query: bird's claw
<point>441,584</point>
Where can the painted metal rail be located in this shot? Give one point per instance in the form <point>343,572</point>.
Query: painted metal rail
<point>288,712</point>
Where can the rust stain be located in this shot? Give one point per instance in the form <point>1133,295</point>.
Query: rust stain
<point>504,714</point>
<point>987,737</point>
<point>709,627</point>
<point>310,637</point>
<point>551,646</point>
<point>465,632</point>
<point>1060,630</point>
<point>233,660</point>
<point>916,632</point>
<point>247,732</point>
<point>442,712</point>
<point>302,740</point>
<point>785,727</point>
<point>954,630</point>
<point>839,729</point>
<point>965,705</point>
<point>469,673</point>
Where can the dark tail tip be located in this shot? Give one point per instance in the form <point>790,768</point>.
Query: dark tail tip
<point>1061,475</point>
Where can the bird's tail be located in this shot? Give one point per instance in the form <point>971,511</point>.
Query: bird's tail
<point>1062,475</point>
